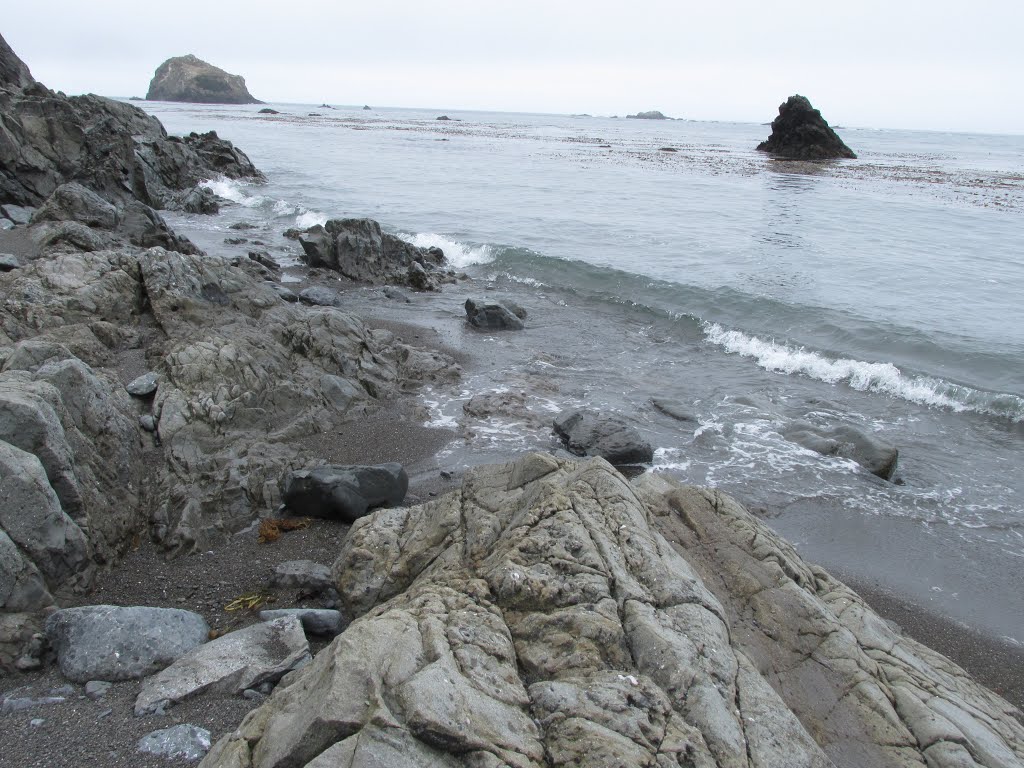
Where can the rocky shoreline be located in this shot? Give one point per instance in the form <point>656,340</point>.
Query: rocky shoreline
<point>546,611</point>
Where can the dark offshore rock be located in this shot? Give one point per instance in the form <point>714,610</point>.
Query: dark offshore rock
<point>360,251</point>
<point>344,492</point>
<point>874,454</point>
<point>586,433</point>
<point>192,80</point>
<point>492,317</point>
<point>114,149</point>
<point>550,613</point>
<point>801,133</point>
<point>652,115</point>
<point>269,111</point>
<point>108,642</point>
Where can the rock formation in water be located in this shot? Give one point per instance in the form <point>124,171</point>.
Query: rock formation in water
<point>550,613</point>
<point>190,79</point>
<point>652,115</point>
<point>801,133</point>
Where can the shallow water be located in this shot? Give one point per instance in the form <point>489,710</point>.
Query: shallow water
<point>881,293</point>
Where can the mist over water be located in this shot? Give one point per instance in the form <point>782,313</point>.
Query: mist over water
<point>882,294</point>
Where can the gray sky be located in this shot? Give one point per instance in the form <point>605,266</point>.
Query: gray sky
<point>934,64</point>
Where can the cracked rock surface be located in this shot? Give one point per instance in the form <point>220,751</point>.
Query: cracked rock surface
<point>550,613</point>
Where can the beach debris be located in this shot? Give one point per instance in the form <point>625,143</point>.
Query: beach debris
<point>248,602</point>
<point>271,528</point>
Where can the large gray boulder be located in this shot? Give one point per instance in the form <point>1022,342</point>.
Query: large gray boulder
<point>344,493</point>
<point>190,79</point>
<point>246,658</point>
<point>801,133</point>
<point>587,433</point>
<point>491,317</point>
<point>551,613</point>
<point>111,643</point>
<point>359,250</point>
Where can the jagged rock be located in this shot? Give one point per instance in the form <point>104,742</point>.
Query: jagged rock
<point>344,492</point>
<point>874,454</point>
<point>315,621</point>
<point>190,79</point>
<point>302,574</point>
<point>73,202</point>
<point>492,317</point>
<point>230,664</point>
<point>551,613</point>
<point>13,72</point>
<point>114,149</point>
<point>264,258</point>
<point>200,200</point>
<point>360,251</point>
<point>589,434</point>
<point>801,133</point>
<point>111,643</point>
<point>651,115</point>
<point>144,385</point>
<point>185,742</point>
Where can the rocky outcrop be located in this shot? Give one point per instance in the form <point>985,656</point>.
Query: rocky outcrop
<point>801,133</point>
<point>13,71</point>
<point>360,251</point>
<point>115,149</point>
<point>651,115</point>
<point>549,613</point>
<point>192,80</point>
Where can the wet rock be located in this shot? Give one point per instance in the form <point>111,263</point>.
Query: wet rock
<point>360,251</point>
<point>551,613</point>
<point>873,453</point>
<point>315,621</point>
<point>190,79</point>
<point>201,200</point>
<point>269,111</point>
<point>395,295</point>
<point>144,385</point>
<point>230,664</point>
<point>673,409</point>
<point>183,742</point>
<point>801,133</point>
<point>264,258</point>
<point>491,317</point>
<point>344,492</point>
<point>108,642</point>
<point>302,574</point>
<point>586,433</point>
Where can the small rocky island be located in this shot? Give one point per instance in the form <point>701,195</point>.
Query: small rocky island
<point>192,80</point>
<point>651,115</point>
<point>801,133</point>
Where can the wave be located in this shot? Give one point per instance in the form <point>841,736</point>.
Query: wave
<point>459,255</point>
<point>884,378</point>
<point>237,192</point>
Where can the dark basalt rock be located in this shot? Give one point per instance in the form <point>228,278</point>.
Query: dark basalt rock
<point>586,433</point>
<point>13,71</point>
<point>192,80</point>
<point>801,133</point>
<point>492,317</point>
<point>360,251</point>
<point>344,492</point>
<point>269,111</point>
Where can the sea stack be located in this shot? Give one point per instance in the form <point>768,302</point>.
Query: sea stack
<point>801,133</point>
<point>190,79</point>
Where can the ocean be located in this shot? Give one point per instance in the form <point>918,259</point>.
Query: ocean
<point>669,259</point>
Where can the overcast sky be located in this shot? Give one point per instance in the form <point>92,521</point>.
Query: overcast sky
<point>935,64</point>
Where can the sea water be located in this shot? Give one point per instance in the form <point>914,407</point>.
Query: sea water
<point>669,259</point>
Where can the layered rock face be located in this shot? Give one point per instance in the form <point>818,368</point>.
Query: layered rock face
<point>550,613</point>
<point>190,79</point>
<point>114,149</point>
<point>801,133</point>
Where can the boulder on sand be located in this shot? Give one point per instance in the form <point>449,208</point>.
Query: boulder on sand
<point>344,492</point>
<point>192,80</point>
<point>801,133</point>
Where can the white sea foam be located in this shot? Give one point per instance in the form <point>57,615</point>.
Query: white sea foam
<point>308,219</point>
<point>884,378</point>
<point>232,190</point>
<point>458,254</point>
